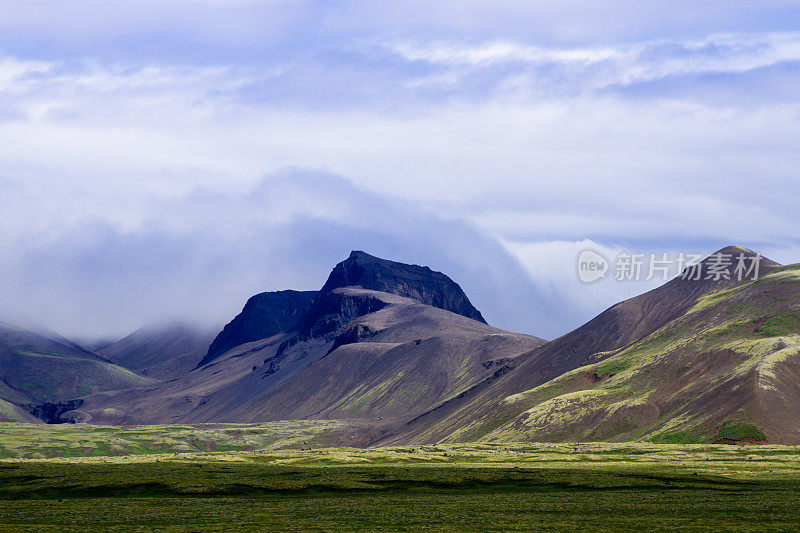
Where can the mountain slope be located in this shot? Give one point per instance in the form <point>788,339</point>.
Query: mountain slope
<point>40,367</point>
<point>14,413</point>
<point>732,360</point>
<point>160,352</point>
<point>396,361</point>
<point>587,355</point>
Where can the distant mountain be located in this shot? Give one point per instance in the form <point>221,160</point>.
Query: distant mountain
<point>263,316</point>
<point>160,352</point>
<point>94,344</point>
<point>37,367</point>
<point>354,353</point>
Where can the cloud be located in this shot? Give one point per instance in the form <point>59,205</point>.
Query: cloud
<point>485,140</point>
<point>555,263</point>
<point>246,30</point>
<point>536,71</point>
<point>502,52</point>
<point>210,251</point>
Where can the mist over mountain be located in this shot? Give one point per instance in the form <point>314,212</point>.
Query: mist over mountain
<point>109,281</point>
<point>161,352</point>
<point>302,265</point>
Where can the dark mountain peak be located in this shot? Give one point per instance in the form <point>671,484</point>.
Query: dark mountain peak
<point>320,313</point>
<point>420,283</point>
<point>263,316</point>
<point>363,258</point>
<point>734,249</point>
<point>359,255</point>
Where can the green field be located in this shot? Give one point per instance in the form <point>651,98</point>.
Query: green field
<point>43,441</point>
<point>465,487</point>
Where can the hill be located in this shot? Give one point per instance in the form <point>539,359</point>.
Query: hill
<point>39,367</point>
<point>160,352</point>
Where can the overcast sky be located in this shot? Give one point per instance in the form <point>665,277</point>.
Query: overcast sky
<point>163,160</point>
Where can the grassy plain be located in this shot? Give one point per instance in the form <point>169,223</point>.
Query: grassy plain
<point>464,487</point>
<point>81,440</point>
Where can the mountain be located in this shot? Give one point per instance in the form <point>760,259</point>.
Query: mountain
<point>397,360</point>
<point>44,367</point>
<point>320,312</point>
<point>677,363</point>
<point>263,316</point>
<point>702,358</point>
<point>355,353</point>
<point>161,352</point>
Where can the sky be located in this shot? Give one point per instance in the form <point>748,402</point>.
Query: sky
<point>166,160</point>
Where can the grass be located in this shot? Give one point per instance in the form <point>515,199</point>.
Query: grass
<point>738,431</point>
<point>612,367</point>
<point>7,413</point>
<point>679,437</point>
<point>776,326</point>
<point>80,440</point>
<point>466,487</point>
